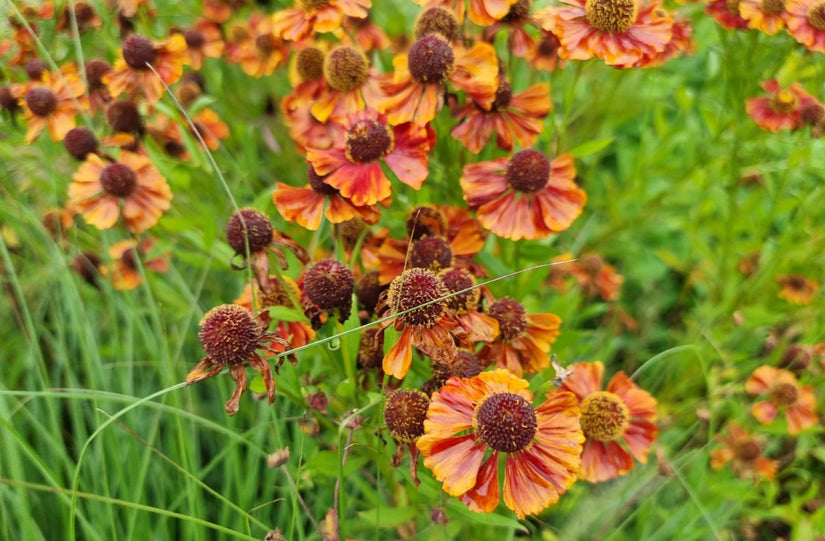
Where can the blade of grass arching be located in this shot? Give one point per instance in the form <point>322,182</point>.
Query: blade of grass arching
<point>125,503</point>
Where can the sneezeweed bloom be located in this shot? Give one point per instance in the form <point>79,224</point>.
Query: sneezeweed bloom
<point>427,328</point>
<point>519,41</point>
<point>784,394</point>
<point>230,334</point>
<point>203,40</point>
<point>351,85</point>
<point>283,291</point>
<point>465,365</point>
<point>545,55</point>
<point>493,411</point>
<point>131,187</point>
<point>622,33</point>
<point>80,142</point>
<point>98,91</point>
<point>780,109</point>
<point>52,103</point>
<point>745,453</point>
<point>478,327</point>
<point>767,16</point>
<point>84,15</point>
<point>482,12</point>
<point>797,289</point>
<point>618,423</point>
<point>353,164</point>
<point>806,23</point>
<point>726,13</point>
<point>404,414</point>
<point>316,16</point>
<point>132,77</point>
<point>512,118</point>
<point>329,285</point>
<point>368,35</point>
<point>257,47</point>
<point>415,91</point>
<point>597,277</point>
<point>524,339</point>
<point>309,205</point>
<point>525,197</point>
<point>124,272</point>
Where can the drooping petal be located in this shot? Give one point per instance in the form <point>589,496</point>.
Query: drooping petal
<point>603,461</point>
<point>398,359</point>
<point>484,496</point>
<point>454,461</point>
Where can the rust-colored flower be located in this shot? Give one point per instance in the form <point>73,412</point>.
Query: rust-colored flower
<point>51,103</point>
<point>619,422</point>
<point>523,340</point>
<point>784,394</point>
<point>368,35</point>
<point>623,33</point>
<point>726,13</point>
<point>415,90</point>
<point>131,187</point>
<point>353,164</point>
<point>512,118</point>
<point>597,277</point>
<point>404,413</point>
<point>806,22</point>
<point>767,16</point>
<point>493,411</point>
<point>132,77</point>
<point>351,85</point>
<point>545,55</point>
<point>478,327</point>
<point>525,197</point>
<point>780,109</point>
<point>203,40</point>
<point>230,334</point>
<point>519,41</point>
<point>316,16</point>
<point>256,46</point>
<point>745,453</point>
<point>797,289</point>
<point>124,272</point>
<point>425,327</point>
<point>329,285</point>
<point>482,12</point>
<point>283,291</point>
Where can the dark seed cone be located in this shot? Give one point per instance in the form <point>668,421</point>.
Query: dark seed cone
<point>252,224</point>
<point>329,285</point>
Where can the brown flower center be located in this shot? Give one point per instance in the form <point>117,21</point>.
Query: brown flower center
<point>518,11</point>
<point>310,64</point>
<point>258,227</point>
<point>118,180</point>
<point>812,113</point>
<point>368,140</point>
<point>604,416</point>
<point>504,94</point>
<point>816,16</point>
<point>265,44</point>
<point>613,16</point>
<point>194,38</point>
<point>783,394</point>
<point>317,183</point>
<point>95,70</point>
<point>548,46</point>
<point>229,334</point>
<point>404,414</point>
<point>784,101</point>
<point>138,51</point>
<point>425,221</point>
<point>313,4</point>
<point>346,69</point>
<point>528,171</point>
<point>413,288</point>
<point>329,285</point>
<point>123,116</point>
<point>746,449</point>
<point>511,317</point>
<point>79,142</point>
<point>430,60</point>
<point>458,280</point>
<point>41,101</point>
<point>432,253</point>
<point>438,20</point>
<point>129,258</point>
<point>773,7</point>
<point>506,422</point>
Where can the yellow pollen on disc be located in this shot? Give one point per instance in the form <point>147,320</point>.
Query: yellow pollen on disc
<point>816,16</point>
<point>773,7</point>
<point>783,102</point>
<point>604,416</point>
<point>614,16</point>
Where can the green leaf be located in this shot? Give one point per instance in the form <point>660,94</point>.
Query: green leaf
<point>388,517</point>
<point>591,147</point>
<point>327,463</point>
<point>485,519</point>
<point>282,313</point>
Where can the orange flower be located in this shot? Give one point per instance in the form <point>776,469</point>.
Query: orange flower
<point>132,77</point>
<point>478,327</point>
<point>596,277</point>
<point>131,185</point>
<point>482,12</point>
<point>256,46</point>
<point>767,16</point>
<point>351,85</point>
<point>797,289</point>
<point>125,270</point>
<point>512,116</point>
<point>427,328</point>
<point>310,16</point>
<point>307,205</point>
<point>368,36</point>
<point>99,96</point>
<point>494,411</point>
<point>415,91</point>
<point>220,11</point>
<point>230,334</point>
<point>52,103</point>
<point>745,452</point>
<point>354,162</point>
<point>203,40</point>
<point>784,393</point>
<point>781,108</point>
<point>524,339</point>
<point>806,22</point>
<point>623,33</point>
<point>283,292</point>
<point>519,42</point>
<point>726,13</point>
<point>619,423</point>
<point>545,56</point>
<point>527,196</point>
